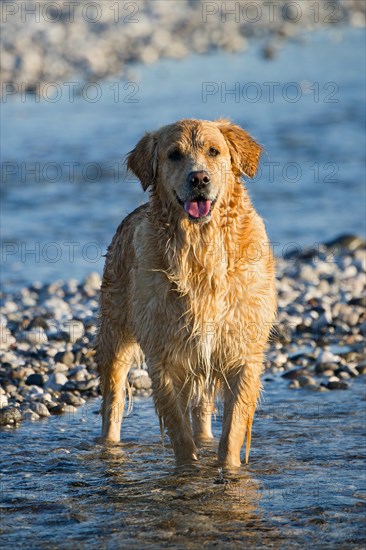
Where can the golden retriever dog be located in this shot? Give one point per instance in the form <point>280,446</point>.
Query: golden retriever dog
<point>189,282</point>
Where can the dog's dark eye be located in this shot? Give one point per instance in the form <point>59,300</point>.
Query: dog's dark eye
<point>175,155</point>
<point>213,152</point>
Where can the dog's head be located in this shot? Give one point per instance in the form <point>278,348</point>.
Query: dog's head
<point>190,163</point>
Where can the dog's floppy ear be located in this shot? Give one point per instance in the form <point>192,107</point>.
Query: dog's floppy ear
<point>143,160</point>
<point>244,151</point>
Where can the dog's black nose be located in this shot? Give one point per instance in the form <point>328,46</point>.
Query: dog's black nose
<point>199,180</point>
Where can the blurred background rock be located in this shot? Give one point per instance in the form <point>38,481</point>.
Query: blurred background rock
<point>44,41</point>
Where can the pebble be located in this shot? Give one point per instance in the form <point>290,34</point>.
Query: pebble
<point>28,414</point>
<point>327,357</point>
<point>142,383</point>
<point>337,385</point>
<point>56,381</point>
<point>6,338</point>
<point>65,357</point>
<point>35,380</point>
<point>73,331</point>
<point>326,367</point>
<point>71,399</point>
<point>34,337</point>
<point>10,415</point>
<point>3,400</point>
<point>40,409</point>
<point>48,336</point>
<point>306,380</point>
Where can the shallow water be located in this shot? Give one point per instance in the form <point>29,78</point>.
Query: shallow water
<point>61,229</point>
<point>303,488</point>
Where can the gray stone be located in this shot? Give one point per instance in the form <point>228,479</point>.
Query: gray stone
<point>35,380</point>
<point>28,414</point>
<point>65,357</point>
<point>73,331</point>
<point>10,415</point>
<point>306,380</point>
<point>337,385</point>
<point>34,337</point>
<point>56,381</point>
<point>72,399</point>
<point>326,356</point>
<point>40,409</point>
<point>3,400</point>
<point>142,383</point>
<point>6,338</point>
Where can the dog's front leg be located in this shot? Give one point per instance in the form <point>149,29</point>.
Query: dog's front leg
<point>171,397</point>
<point>241,392</point>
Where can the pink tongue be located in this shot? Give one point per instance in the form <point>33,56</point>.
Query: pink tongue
<point>197,209</point>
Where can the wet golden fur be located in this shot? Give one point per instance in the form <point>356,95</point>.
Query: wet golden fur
<point>197,298</point>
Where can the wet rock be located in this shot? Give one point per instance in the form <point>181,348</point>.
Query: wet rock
<point>65,357</point>
<point>33,392</point>
<point>28,414</point>
<point>59,367</point>
<point>10,415</point>
<point>361,369</point>
<point>327,357</point>
<point>58,409</point>
<point>337,385</point>
<point>73,331</point>
<point>321,368</point>
<point>70,409</point>
<point>349,242</point>
<point>72,399</point>
<point>37,322</point>
<point>294,373</point>
<point>6,338</point>
<point>79,374</point>
<point>348,369</point>
<point>328,373</point>
<point>306,381</point>
<point>57,380</point>
<point>40,409</point>
<point>34,337</point>
<point>35,380</point>
<point>3,400</point>
<point>142,383</point>
<point>270,51</point>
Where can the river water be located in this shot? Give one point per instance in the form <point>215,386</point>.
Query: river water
<point>305,484</point>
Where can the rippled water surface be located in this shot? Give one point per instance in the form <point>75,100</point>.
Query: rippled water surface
<point>303,488</point>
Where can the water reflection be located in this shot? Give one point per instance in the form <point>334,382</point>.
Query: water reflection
<point>304,483</point>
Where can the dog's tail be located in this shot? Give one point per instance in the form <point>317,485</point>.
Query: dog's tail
<point>249,438</point>
<point>161,424</point>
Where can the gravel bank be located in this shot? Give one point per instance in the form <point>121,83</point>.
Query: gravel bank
<point>48,331</point>
<point>47,41</point>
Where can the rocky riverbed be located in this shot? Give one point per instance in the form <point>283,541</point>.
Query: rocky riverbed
<point>45,42</point>
<point>48,333</point>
